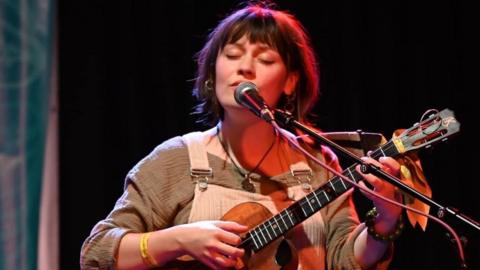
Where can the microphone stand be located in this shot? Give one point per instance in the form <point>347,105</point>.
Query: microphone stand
<point>287,120</point>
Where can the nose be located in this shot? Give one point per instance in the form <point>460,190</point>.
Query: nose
<point>246,67</point>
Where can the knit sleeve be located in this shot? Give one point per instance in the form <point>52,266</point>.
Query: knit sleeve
<point>148,203</point>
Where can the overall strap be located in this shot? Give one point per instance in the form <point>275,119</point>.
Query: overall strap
<point>200,169</point>
<point>303,174</point>
<point>300,170</point>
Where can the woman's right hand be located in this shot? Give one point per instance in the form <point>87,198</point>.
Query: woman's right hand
<point>211,242</point>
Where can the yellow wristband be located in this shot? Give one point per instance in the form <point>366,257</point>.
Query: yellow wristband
<point>146,257</point>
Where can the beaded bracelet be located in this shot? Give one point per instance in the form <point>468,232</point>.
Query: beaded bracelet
<point>370,222</point>
<point>146,257</point>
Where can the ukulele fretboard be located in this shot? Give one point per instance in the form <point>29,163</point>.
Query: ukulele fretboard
<point>288,218</point>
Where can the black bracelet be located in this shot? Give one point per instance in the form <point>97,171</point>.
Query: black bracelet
<point>370,222</point>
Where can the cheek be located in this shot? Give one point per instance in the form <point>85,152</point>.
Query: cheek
<point>274,75</point>
<point>276,83</point>
<point>221,70</point>
<point>221,80</point>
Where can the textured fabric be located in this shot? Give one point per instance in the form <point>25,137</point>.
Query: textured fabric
<point>214,201</point>
<point>308,237</point>
<point>159,193</point>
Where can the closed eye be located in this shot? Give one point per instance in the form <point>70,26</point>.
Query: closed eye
<point>232,56</point>
<point>266,62</point>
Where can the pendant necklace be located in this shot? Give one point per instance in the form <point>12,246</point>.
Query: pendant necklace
<point>247,180</point>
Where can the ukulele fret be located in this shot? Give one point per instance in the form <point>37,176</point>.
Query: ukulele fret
<point>326,198</point>
<point>267,230</point>
<point>332,185</point>
<point>290,218</point>
<point>262,234</point>
<point>252,235</point>
<point>277,226</point>
<point>317,200</point>
<point>267,227</point>
<point>313,200</point>
<point>272,227</point>
<point>305,209</point>
<point>351,174</point>
<point>340,186</point>
<point>343,184</point>
<point>283,220</point>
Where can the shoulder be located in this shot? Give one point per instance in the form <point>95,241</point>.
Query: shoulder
<point>168,158</point>
<point>171,148</point>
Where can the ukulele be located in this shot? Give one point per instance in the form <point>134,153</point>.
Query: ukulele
<point>265,245</point>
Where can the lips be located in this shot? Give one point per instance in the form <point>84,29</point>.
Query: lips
<point>236,83</point>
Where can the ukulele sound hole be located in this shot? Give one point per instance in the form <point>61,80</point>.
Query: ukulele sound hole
<point>284,254</point>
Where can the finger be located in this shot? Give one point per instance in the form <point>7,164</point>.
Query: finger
<point>370,160</point>
<point>371,179</point>
<point>228,250</point>
<point>392,165</point>
<point>387,164</point>
<point>365,193</point>
<point>231,226</point>
<point>209,260</point>
<point>224,261</point>
<point>228,237</point>
<point>379,203</point>
<point>216,260</point>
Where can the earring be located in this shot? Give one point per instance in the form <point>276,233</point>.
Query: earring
<point>289,105</point>
<point>208,85</point>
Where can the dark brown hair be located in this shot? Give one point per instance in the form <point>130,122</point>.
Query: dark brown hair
<point>278,29</point>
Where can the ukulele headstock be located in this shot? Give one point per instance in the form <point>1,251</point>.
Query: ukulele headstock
<point>437,127</point>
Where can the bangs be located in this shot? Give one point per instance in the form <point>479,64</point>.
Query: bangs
<point>259,26</point>
<point>257,29</point>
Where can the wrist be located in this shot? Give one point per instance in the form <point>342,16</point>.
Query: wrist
<point>176,242</point>
<point>163,246</point>
<point>383,228</point>
<point>147,257</point>
<point>386,218</point>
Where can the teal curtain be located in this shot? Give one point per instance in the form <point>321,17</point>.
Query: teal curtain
<point>26,44</point>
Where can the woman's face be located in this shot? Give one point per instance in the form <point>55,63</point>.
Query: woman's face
<point>255,62</point>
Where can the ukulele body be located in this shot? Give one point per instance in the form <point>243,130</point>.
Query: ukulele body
<point>279,254</point>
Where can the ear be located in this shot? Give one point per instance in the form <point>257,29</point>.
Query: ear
<point>291,83</point>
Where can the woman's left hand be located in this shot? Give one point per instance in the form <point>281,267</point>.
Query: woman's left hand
<point>387,212</point>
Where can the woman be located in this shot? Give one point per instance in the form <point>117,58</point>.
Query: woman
<point>175,197</point>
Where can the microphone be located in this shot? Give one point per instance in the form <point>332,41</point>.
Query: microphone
<point>246,94</point>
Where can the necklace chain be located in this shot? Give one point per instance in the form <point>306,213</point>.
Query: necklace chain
<point>247,183</point>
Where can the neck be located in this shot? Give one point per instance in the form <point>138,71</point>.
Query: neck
<point>247,140</point>
<point>247,136</point>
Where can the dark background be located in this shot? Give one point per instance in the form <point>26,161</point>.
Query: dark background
<point>125,83</point>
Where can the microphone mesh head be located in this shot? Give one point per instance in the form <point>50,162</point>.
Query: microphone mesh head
<point>243,87</point>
